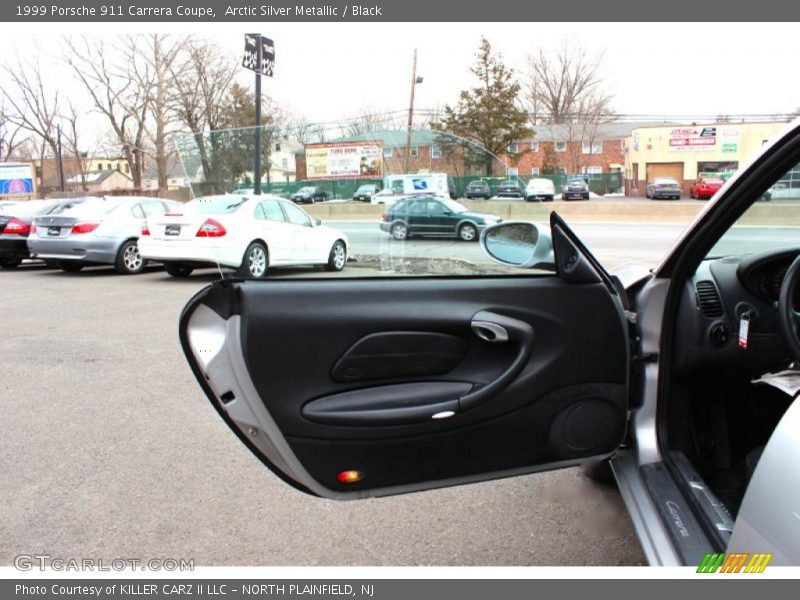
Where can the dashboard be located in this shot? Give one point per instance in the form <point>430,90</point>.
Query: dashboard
<point>713,304</point>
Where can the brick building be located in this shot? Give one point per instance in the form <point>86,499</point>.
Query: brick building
<point>593,150</point>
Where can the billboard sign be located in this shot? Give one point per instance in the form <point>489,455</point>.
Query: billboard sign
<point>344,160</point>
<point>17,179</point>
<point>693,139</point>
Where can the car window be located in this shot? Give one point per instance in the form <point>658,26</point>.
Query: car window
<point>137,211</point>
<point>93,208</point>
<point>771,223</point>
<point>152,207</point>
<point>436,208</point>
<point>218,205</point>
<point>295,215</point>
<point>31,208</point>
<point>420,207</point>
<point>271,211</point>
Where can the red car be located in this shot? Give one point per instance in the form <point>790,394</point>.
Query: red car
<point>706,187</point>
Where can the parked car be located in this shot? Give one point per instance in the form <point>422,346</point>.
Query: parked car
<point>16,223</point>
<point>540,189</point>
<point>575,189</point>
<point>250,234</point>
<point>509,189</point>
<point>478,188</point>
<point>309,195</point>
<point>386,386</point>
<point>705,187</point>
<point>96,232</point>
<point>663,187</point>
<point>434,216</point>
<point>5,206</point>
<point>365,192</point>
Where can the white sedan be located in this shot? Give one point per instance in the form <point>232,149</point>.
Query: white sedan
<point>249,233</point>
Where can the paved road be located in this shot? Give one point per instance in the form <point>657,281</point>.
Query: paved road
<point>612,243</point>
<point>109,449</point>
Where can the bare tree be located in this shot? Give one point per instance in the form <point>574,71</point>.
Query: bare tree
<point>30,105</point>
<point>369,120</point>
<point>115,94</point>
<point>565,91</point>
<point>565,84</point>
<point>150,59</point>
<point>12,135</point>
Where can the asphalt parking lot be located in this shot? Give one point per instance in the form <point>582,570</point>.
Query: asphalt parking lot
<point>110,449</point>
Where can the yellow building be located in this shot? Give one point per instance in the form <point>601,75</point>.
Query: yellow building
<point>685,152</point>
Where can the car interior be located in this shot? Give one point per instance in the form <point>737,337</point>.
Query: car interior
<point>727,334</point>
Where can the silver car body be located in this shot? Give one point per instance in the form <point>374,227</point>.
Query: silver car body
<point>117,220</point>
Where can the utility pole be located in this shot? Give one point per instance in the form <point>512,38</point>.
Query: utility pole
<point>414,81</point>
<point>60,161</point>
<point>257,159</point>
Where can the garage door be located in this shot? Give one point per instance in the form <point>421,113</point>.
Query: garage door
<point>671,170</point>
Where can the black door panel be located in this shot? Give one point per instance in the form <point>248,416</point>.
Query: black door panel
<point>554,391</point>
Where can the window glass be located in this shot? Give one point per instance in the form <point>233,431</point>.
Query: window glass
<point>152,207</point>
<point>272,211</point>
<point>771,222</point>
<point>295,215</point>
<point>561,146</point>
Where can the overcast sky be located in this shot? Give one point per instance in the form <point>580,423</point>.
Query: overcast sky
<point>329,71</point>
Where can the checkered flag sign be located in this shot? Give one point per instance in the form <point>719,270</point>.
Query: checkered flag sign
<point>267,56</point>
<point>250,58</point>
<point>251,49</point>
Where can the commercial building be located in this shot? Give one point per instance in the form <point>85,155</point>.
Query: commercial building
<point>687,152</point>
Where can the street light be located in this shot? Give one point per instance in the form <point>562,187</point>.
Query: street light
<point>415,79</point>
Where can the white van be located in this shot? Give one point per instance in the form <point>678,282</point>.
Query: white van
<point>540,189</point>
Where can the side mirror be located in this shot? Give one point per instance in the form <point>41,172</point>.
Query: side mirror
<point>317,222</point>
<point>447,213</point>
<point>518,244</point>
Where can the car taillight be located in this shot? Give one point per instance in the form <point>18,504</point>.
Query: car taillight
<point>33,227</point>
<point>384,217</point>
<point>84,227</point>
<point>17,226</point>
<point>145,230</point>
<point>211,228</point>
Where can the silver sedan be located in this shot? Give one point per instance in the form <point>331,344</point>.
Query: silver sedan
<point>99,231</point>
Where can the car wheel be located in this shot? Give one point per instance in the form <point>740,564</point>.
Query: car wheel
<point>70,267</point>
<point>10,262</point>
<point>468,232</point>
<point>338,257</point>
<point>255,261</point>
<point>129,260</point>
<point>400,231</point>
<point>178,270</point>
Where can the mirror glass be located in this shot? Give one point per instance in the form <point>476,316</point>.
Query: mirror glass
<point>512,243</point>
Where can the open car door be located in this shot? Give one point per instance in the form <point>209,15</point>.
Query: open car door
<point>350,388</point>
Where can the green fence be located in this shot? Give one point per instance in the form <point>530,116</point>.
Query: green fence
<point>336,188</point>
<point>600,184</point>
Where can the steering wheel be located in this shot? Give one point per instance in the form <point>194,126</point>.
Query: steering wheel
<point>788,318</point>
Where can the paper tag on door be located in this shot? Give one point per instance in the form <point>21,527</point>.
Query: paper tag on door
<point>744,330</point>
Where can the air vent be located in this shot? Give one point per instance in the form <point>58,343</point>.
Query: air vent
<point>708,299</point>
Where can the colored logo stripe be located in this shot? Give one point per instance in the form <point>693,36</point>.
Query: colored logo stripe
<point>734,563</point>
